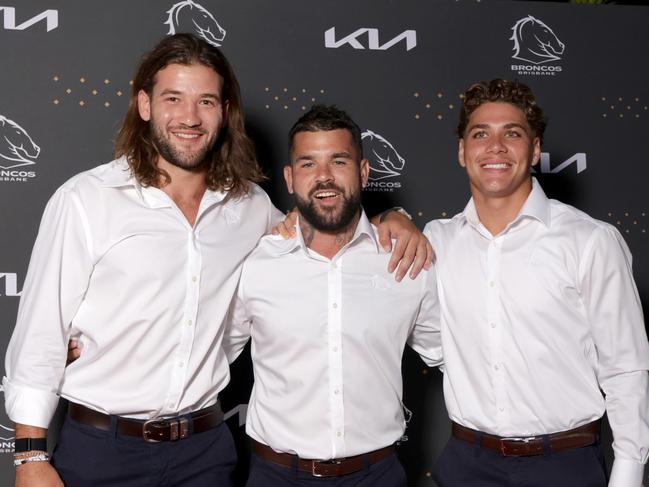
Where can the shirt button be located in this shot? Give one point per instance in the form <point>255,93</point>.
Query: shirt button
<point>492,283</point>
<point>496,367</point>
<point>190,322</point>
<point>501,409</point>
<point>334,265</point>
<point>339,434</point>
<point>335,305</point>
<point>336,392</point>
<point>181,364</point>
<point>334,349</point>
<point>194,278</point>
<point>493,325</point>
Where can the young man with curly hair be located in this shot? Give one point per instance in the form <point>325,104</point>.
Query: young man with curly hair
<point>541,323</point>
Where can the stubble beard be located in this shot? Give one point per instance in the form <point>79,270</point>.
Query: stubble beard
<point>181,159</point>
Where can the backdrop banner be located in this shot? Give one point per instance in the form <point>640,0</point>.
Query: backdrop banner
<point>398,68</point>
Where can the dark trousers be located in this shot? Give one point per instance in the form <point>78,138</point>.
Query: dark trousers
<point>89,457</point>
<point>463,464</point>
<point>384,473</point>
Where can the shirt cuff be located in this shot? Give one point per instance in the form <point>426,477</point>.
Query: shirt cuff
<point>29,406</point>
<point>626,473</point>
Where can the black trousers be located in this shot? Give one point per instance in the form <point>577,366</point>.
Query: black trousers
<point>384,473</point>
<point>89,457</point>
<point>463,464</point>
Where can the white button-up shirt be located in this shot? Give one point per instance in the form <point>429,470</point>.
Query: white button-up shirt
<point>536,320</point>
<point>327,341</point>
<point>119,266</point>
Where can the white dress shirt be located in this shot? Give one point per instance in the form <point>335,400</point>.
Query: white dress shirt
<point>536,320</point>
<point>327,342</point>
<point>119,266</point>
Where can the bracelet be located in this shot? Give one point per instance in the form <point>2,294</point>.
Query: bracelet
<point>27,454</point>
<point>29,444</point>
<point>39,457</point>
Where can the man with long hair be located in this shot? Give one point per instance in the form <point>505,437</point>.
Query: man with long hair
<point>539,316</point>
<point>139,259</point>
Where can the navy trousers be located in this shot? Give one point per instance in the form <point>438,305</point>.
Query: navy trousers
<point>88,457</point>
<point>463,464</point>
<point>384,473</point>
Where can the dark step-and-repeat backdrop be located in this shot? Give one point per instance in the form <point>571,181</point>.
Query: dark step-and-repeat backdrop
<point>398,67</point>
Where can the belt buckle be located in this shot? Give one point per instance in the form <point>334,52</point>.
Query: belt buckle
<point>519,439</point>
<point>146,432</point>
<point>178,429</point>
<point>323,462</point>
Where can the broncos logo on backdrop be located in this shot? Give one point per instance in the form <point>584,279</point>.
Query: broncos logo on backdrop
<point>385,161</point>
<point>6,434</point>
<point>189,16</point>
<point>535,42</point>
<point>16,145</point>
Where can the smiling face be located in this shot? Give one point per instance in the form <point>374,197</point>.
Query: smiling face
<point>186,114</point>
<point>326,175</point>
<point>497,149</point>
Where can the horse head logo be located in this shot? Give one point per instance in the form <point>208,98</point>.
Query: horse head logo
<point>4,431</point>
<point>535,42</point>
<point>385,161</point>
<point>16,145</point>
<point>188,16</point>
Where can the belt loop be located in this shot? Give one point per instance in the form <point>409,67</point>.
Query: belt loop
<point>477,451</point>
<point>295,460</point>
<point>113,426</point>
<point>547,451</point>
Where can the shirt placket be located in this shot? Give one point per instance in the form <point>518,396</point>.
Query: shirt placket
<point>495,327</point>
<point>334,330</point>
<point>181,356</point>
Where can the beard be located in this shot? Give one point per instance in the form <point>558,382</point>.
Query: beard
<point>329,219</point>
<point>173,155</point>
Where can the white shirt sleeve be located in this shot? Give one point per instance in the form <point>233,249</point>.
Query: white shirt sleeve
<point>614,311</point>
<point>276,217</point>
<point>425,337</point>
<point>57,278</point>
<point>237,328</point>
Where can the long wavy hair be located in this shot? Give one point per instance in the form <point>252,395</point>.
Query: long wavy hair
<point>232,163</point>
<point>500,90</point>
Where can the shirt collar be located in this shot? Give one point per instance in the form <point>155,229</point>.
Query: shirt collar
<point>118,174</point>
<point>364,229</point>
<point>536,206</point>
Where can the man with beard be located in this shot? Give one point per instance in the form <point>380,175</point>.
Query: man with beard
<point>140,258</point>
<point>328,325</point>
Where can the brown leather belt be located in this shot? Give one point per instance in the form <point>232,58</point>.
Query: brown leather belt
<point>532,445</point>
<point>153,430</point>
<point>322,468</point>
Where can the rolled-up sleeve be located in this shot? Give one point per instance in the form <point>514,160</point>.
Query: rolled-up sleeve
<point>57,278</point>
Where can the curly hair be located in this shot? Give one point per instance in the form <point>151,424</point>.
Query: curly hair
<point>501,90</point>
<point>232,163</point>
